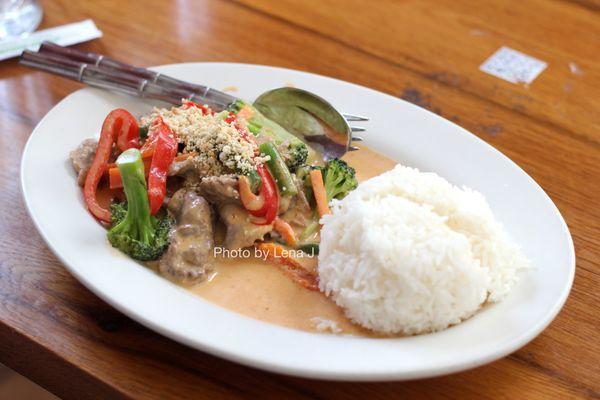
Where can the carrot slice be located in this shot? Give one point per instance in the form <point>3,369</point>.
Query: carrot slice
<point>114,176</point>
<point>316,180</point>
<point>286,231</point>
<point>277,254</point>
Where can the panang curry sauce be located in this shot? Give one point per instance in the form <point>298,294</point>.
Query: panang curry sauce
<point>262,290</point>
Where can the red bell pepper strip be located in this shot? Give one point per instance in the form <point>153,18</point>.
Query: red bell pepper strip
<point>268,190</point>
<point>150,143</point>
<point>117,123</point>
<point>232,119</point>
<point>165,150</point>
<point>129,135</point>
<point>189,103</point>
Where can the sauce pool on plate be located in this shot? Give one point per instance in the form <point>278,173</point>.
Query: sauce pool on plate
<point>261,290</point>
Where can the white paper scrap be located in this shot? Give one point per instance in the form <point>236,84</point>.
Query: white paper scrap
<point>64,35</point>
<point>513,66</point>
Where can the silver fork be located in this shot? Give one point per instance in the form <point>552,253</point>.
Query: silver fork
<point>100,71</point>
<point>352,118</point>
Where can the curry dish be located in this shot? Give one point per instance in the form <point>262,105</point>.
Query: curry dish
<point>225,204</point>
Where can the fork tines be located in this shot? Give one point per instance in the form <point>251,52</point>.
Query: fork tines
<point>352,117</point>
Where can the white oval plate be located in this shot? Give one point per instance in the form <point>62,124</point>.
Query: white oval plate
<point>398,129</point>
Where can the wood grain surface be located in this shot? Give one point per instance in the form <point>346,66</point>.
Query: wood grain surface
<point>63,337</point>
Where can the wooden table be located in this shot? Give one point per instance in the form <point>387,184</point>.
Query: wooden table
<point>63,337</point>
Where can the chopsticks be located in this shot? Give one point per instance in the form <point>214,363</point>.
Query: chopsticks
<point>107,73</point>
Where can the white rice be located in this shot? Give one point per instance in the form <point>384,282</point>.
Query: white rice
<point>325,325</point>
<point>407,252</point>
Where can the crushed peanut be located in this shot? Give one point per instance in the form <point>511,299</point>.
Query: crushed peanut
<point>221,148</point>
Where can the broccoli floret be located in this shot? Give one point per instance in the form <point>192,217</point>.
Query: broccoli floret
<point>118,211</point>
<point>339,179</point>
<point>134,231</point>
<point>295,155</point>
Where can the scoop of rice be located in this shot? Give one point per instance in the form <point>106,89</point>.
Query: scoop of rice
<point>407,252</point>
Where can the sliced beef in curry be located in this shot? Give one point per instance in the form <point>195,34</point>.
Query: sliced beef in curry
<point>82,157</point>
<point>220,189</point>
<point>183,167</point>
<point>241,232</point>
<point>192,240</point>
